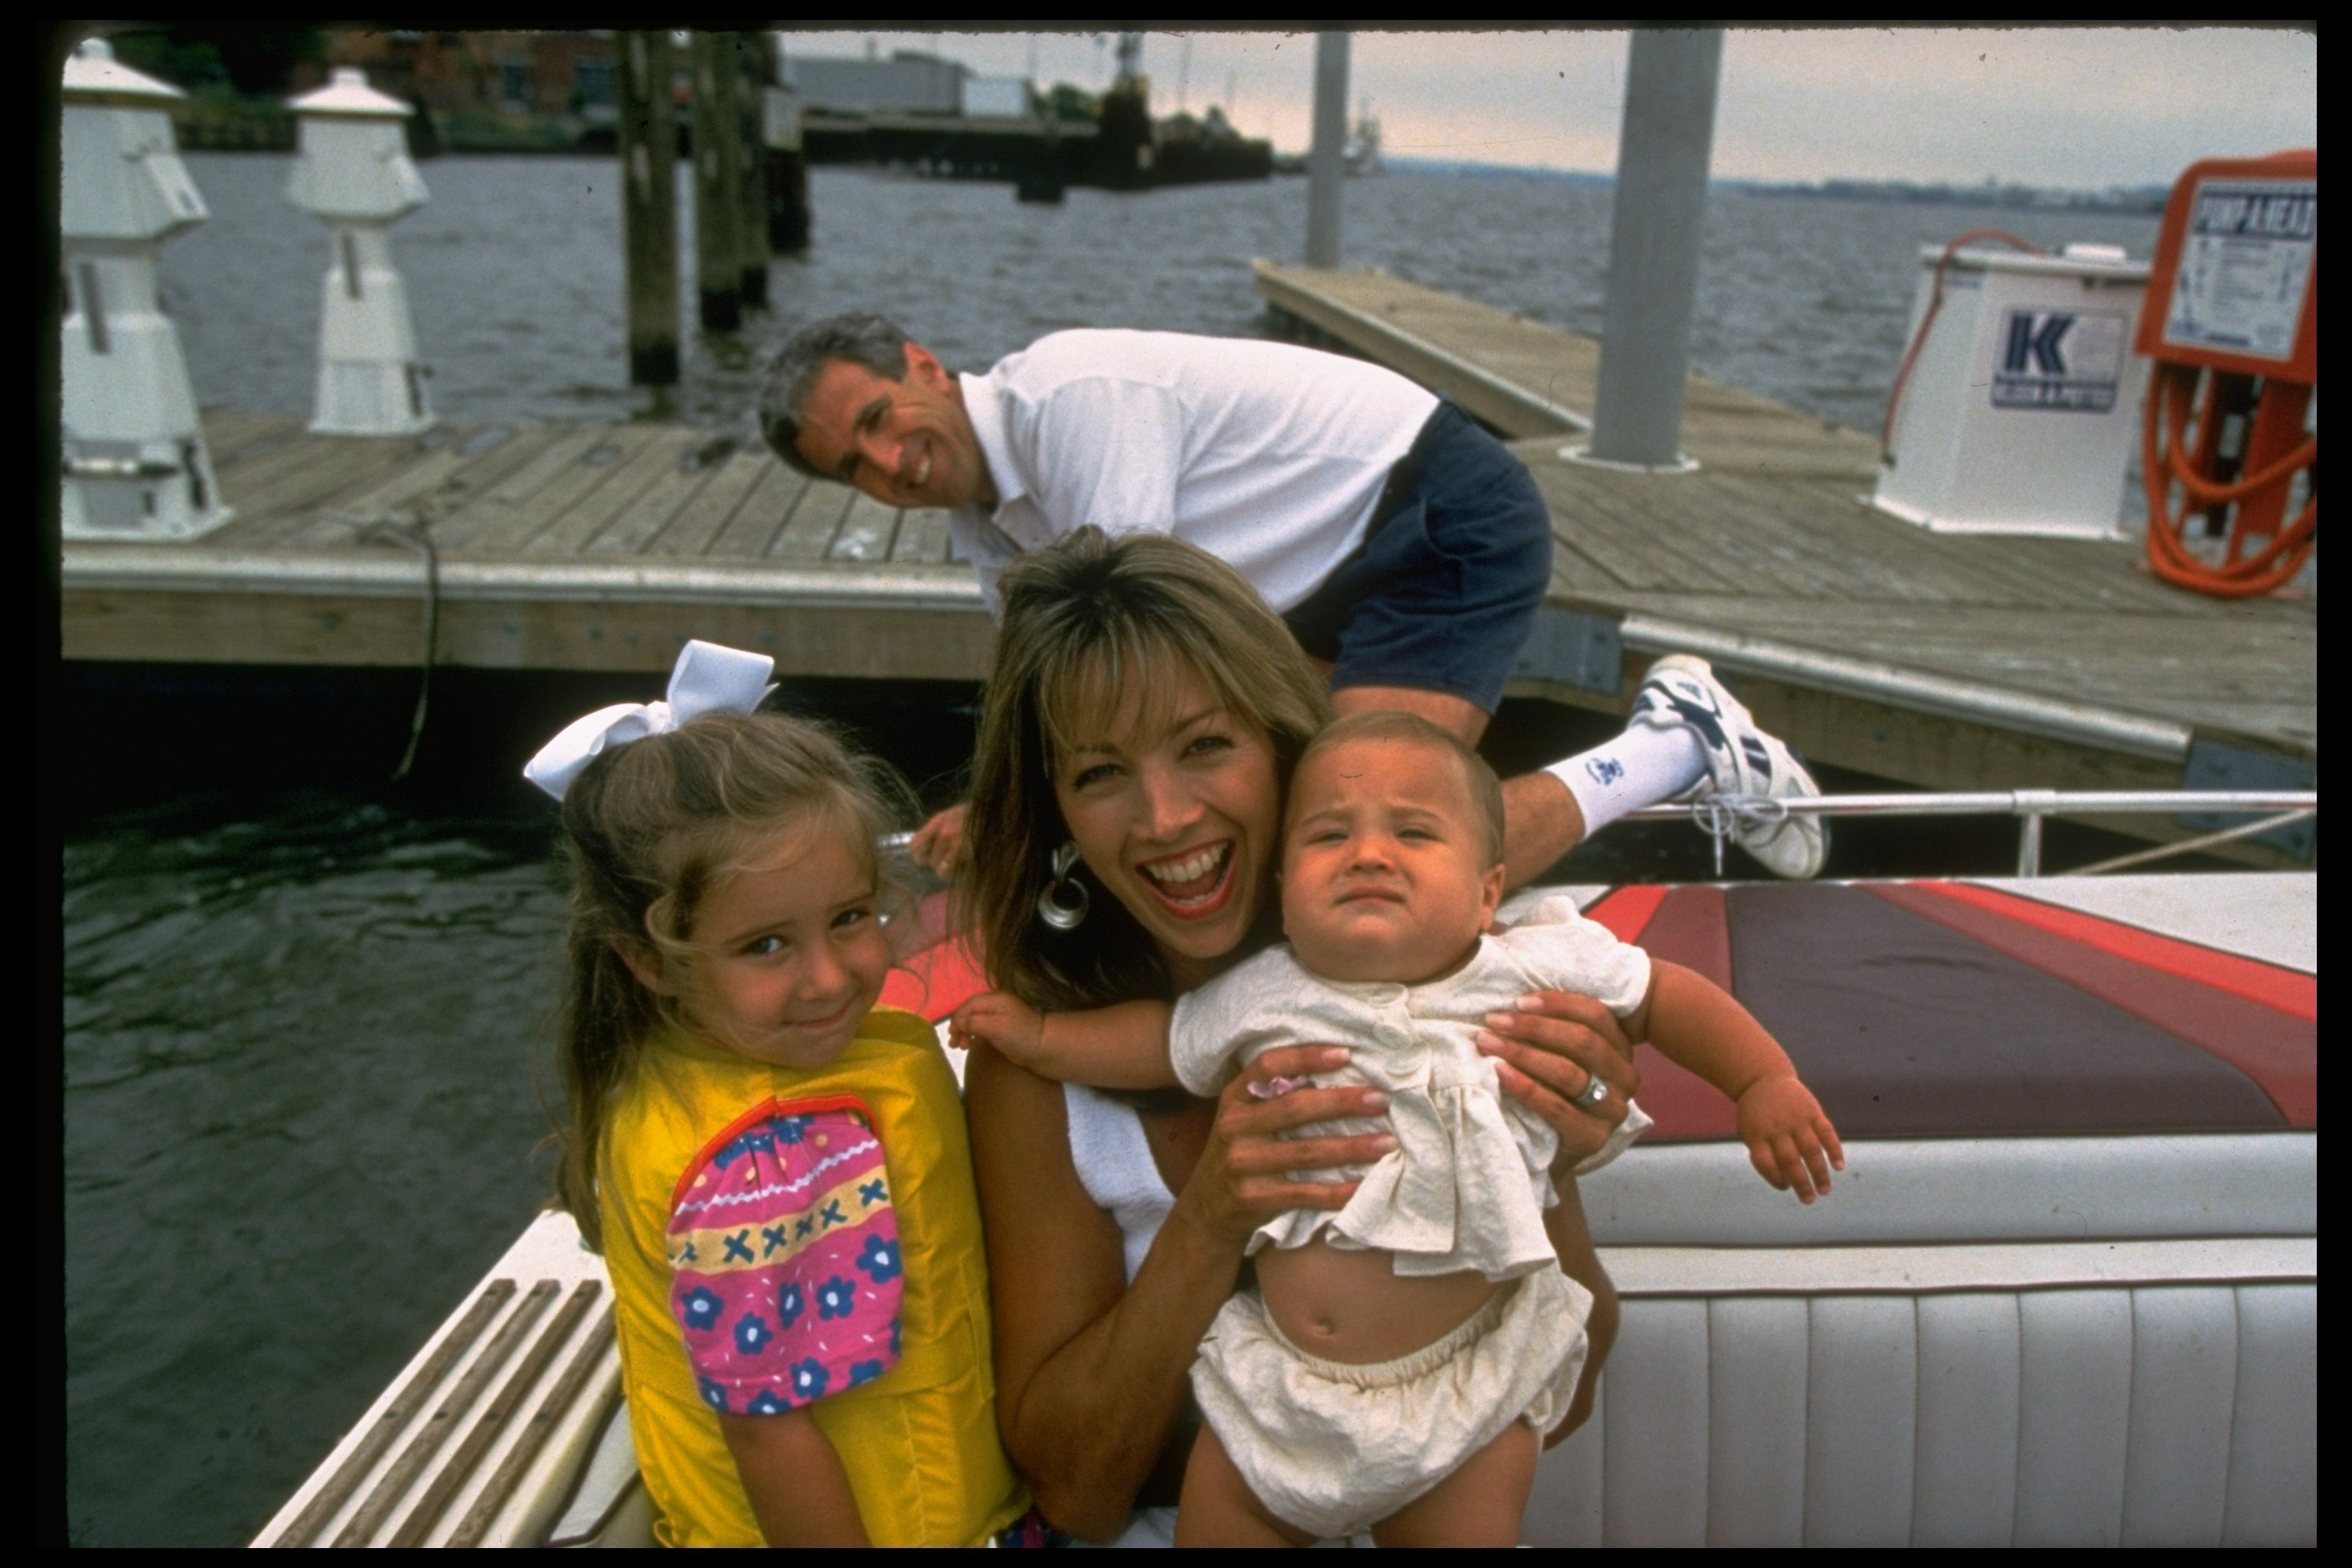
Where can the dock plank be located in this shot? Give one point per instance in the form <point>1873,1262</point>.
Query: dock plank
<point>482,463</point>
<point>866,532</point>
<point>646,456</point>
<point>550,452</point>
<point>694,526</point>
<point>350,465</point>
<point>231,437</point>
<point>749,534</point>
<point>436,486</point>
<point>1631,554</point>
<point>1856,555</point>
<point>329,527</point>
<point>922,538</point>
<point>1686,519</point>
<point>652,509</point>
<point>1894,559</point>
<point>816,517</point>
<point>566,486</point>
<point>247,485</point>
<point>1819,546</point>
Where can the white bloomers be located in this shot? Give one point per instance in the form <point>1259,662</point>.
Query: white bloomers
<point>1334,1448</point>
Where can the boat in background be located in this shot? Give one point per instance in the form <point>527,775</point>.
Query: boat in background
<point>1361,154</point>
<point>2066,1291</point>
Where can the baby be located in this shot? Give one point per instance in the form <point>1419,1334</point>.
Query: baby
<point>1401,1358</point>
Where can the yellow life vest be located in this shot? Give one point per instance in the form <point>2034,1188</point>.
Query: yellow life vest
<point>919,1442</point>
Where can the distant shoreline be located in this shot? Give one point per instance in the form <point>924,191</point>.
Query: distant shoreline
<point>2034,198</point>
<point>2138,199</point>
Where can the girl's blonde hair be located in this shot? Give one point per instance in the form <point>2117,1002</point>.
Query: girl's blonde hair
<point>649,829</point>
<point>1086,621</point>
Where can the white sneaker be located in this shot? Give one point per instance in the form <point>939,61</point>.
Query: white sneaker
<point>1741,760</point>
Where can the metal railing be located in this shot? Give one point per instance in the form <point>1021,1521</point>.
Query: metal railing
<point>1721,815</point>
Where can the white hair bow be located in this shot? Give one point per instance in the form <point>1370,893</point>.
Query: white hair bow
<point>708,680</point>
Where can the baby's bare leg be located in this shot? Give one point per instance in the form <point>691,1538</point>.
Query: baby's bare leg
<point>1218,1509</point>
<point>1480,1504</point>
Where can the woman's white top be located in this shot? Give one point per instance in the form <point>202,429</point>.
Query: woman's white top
<point>1115,1166</point>
<point>1467,1183</point>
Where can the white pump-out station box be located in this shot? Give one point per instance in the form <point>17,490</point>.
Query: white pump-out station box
<point>2020,408</point>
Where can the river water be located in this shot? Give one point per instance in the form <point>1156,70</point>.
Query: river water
<point>301,1004</point>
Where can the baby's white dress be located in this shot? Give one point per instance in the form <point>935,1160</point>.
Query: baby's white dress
<point>1335,1448</point>
<point>1467,1183</point>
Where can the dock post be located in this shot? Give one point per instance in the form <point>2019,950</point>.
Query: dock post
<point>135,461</point>
<point>717,260</point>
<point>749,84</point>
<point>355,176</point>
<point>649,205</point>
<point>1660,208</point>
<point>1326,169</point>
<point>786,164</point>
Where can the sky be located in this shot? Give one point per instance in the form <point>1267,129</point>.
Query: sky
<point>2073,108</point>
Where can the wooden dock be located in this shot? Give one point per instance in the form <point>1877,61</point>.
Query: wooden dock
<point>554,547</point>
<point>1947,660</point>
<point>1953,662</point>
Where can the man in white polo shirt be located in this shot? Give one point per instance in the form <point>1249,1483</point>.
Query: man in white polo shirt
<point>1406,548</point>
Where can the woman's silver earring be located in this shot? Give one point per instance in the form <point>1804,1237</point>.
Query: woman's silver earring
<point>1063,905</point>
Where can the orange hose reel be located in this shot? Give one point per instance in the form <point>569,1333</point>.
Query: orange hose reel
<point>2231,327</point>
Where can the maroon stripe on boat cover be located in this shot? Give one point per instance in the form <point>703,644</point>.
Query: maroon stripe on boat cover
<point>2276,1050</point>
<point>1687,929</point>
<point>1905,1027</point>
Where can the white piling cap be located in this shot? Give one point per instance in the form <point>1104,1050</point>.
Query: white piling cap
<point>349,94</point>
<point>92,74</point>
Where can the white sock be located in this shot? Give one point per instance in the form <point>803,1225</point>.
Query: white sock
<point>1645,765</point>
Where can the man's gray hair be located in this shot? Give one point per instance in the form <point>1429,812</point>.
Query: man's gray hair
<point>861,338</point>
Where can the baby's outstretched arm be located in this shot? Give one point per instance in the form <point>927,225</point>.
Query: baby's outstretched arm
<point>1695,1023</point>
<point>1121,1046</point>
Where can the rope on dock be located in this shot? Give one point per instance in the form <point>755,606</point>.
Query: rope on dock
<point>416,535</point>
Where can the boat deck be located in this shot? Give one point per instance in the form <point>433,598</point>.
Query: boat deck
<point>1953,662</point>
<point>2064,1290</point>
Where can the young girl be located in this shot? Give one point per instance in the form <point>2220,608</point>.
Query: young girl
<point>775,1170</point>
<point>1403,1357</point>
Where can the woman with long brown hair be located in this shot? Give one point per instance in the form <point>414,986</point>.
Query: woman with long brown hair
<point>1137,732</point>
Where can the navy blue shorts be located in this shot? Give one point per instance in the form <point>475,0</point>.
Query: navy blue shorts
<point>1443,591</point>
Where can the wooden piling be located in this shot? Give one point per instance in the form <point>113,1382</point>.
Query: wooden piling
<point>648,150</point>
<point>717,153</point>
<point>750,84</point>
<point>1659,216</point>
<point>786,164</point>
<point>1327,171</point>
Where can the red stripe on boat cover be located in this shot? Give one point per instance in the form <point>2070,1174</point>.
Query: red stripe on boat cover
<point>1687,927</point>
<point>2279,1052</point>
<point>2288,990</point>
<point>1627,910</point>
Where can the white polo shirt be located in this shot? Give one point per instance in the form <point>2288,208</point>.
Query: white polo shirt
<point>1269,457</point>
